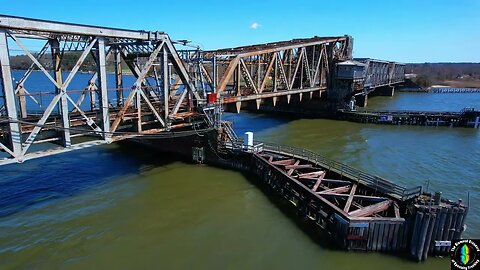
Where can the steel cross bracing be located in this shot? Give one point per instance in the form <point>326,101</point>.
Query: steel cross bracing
<point>274,69</point>
<point>150,105</point>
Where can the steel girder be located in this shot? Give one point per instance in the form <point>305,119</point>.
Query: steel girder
<point>148,106</point>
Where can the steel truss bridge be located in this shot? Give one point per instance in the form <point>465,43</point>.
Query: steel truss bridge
<point>173,92</point>
<point>285,68</point>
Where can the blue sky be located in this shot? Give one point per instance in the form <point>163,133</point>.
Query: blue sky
<point>401,30</point>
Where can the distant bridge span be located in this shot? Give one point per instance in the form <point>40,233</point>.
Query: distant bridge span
<point>285,68</point>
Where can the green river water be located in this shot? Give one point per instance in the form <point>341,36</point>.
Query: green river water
<point>124,207</point>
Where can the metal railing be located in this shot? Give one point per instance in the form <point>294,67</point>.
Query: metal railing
<point>372,181</point>
<point>228,129</point>
<point>407,112</point>
<point>454,90</point>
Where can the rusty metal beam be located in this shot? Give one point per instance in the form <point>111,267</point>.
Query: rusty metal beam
<point>279,93</point>
<point>284,162</point>
<point>371,209</point>
<point>336,190</point>
<point>319,181</point>
<point>350,198</point>
<point>276,46</point>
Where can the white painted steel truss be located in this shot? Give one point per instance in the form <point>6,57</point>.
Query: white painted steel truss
<point>147,55</point>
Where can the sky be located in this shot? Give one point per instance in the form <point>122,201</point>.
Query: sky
<point>402,30</point>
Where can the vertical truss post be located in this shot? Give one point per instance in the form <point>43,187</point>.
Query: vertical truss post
<point>214,75</point>
<point>238,81</point>
<point>92,94</point>
<point>275,77</point>
<point>63,103</point>
<point>9,95</point>
<point>138,102</point>
<point>22,102</point>
<point>166,84</point>
<point>118,75</point>
<point>102,84</point>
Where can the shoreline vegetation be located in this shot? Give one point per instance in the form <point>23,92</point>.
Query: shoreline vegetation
<point>458,75</point>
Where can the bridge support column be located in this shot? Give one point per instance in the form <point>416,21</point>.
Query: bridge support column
<point>63,102</point>
<point>361,100</point>
<point>9,99</point>
<point>102,82</point>
<point>387,91</point>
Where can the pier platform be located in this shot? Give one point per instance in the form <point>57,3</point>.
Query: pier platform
<point>467,117</point>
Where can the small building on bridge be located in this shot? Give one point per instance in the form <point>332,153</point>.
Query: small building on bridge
<point>350,70</point>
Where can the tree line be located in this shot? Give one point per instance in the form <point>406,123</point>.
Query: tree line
<point>428,74</point>
<point>68,61</point>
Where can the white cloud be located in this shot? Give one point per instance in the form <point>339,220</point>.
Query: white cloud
<point>255,25</point>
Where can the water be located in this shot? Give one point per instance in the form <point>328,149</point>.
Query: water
<point>42,90</point>
<point>121,207</point>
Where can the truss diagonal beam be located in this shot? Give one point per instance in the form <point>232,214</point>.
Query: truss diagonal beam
<point>37,63</point>
<point>137,86</point>
<point>79,63</point>
<point>41,122</point>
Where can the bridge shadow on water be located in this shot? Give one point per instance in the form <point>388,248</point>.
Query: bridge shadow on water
<point>43,180</point>
<point>257,122</point>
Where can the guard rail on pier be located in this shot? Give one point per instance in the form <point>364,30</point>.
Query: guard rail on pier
<point>375,182</point>
<point>456,90</point>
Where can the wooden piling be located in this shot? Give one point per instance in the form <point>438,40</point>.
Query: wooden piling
<point>428,239</point>
<point>446,229</point>
<point>422,236</point>
<point>441,227</point>
<point>415,234</point>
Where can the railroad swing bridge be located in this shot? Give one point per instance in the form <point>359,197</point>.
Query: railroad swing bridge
<point>264,73</point>
<point>175,102</point>
<point>315,77</point>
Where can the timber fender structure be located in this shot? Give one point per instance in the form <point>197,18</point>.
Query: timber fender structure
<point>355,210</point>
